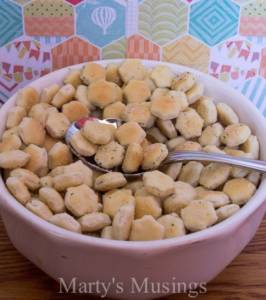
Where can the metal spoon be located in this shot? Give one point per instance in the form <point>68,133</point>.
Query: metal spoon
<point>177,156</point>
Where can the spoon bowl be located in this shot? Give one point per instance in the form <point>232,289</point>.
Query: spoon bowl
<point>89,161</point>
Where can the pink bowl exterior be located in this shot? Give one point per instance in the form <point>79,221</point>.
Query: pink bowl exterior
<point>195,262</point>
<point>198,257</point>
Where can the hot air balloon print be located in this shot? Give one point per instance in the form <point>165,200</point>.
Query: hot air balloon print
<point>104,17</point>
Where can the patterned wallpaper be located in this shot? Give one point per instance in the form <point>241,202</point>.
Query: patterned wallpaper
<point>225,38</point>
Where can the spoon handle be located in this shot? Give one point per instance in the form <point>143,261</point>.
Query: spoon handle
<point>180,156</point>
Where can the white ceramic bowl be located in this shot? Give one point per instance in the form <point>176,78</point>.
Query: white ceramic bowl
<point>197,257</point>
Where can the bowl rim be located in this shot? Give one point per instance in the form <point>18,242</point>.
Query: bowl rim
<point>8,202</point>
